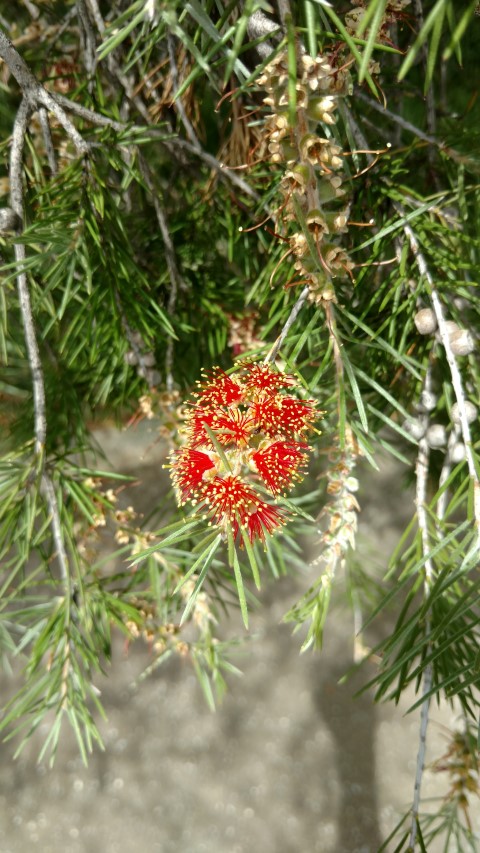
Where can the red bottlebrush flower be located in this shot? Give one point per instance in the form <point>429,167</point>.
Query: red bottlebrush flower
<point>297,415</point>
<point>232,501</point>
<point>188,469</point>
<point>229,499</point>
<point>261,377</point>
<point>233,427</point>
<point>196,426</point>
<point>279,463</point>
<point>265,519</point>
<point>283,417</point>
<point>220,390</point>
<point>240,431</point>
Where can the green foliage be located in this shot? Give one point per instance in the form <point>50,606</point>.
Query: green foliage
<point>173,246</point>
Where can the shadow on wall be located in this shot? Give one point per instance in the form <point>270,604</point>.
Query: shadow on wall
<point>351,721</point>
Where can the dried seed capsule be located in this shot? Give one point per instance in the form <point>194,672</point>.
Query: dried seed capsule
<point>461,342</point>
<point>457,453</point>
<point>130,357</point>
<point>436,435</point>
<point>10,222</point>
<point>470,411</point>
<point>415,427</point>
<point>148,359</point>
<point>425,321</point>
<point>427,401</point>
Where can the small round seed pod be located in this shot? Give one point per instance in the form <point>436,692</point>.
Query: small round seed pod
<point>461,342</point>
<point>130,357</point>
<point>427,401</point>
<point>451,327</point>
<point>10,222</point>
<point>470,411</point>
<point>425,321</point>
<point>415,428</point>
<point>457,453</point>
<point>148,359</point>
<point>154,378</point>
<point>436,435</point>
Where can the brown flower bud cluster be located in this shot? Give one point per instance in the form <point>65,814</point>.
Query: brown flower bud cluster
<point>242,332</point>
<point>342,509</point>
<point>159,637</point>
<point>461,767</point>
<point>312,186</point>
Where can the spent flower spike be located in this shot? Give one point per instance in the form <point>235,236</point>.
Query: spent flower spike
<point>245,443</point>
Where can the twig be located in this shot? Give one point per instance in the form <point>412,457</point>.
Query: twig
<point>402,122</point>
<point>103,121</point>
<point>177,102</point>
<point>454,370</point>
<point>113,66</point>
<point>89,47</point>
<point>421,471</point>
<point>47,138</point>
<point>90,115</point>
<point>61,553</point>
<point>271,356</point>
<point>96,15</point>
<point>407,125</point>
<point>35,93</point>
<point>145,370</point>
<point>16,203</point>
<point>33,352</point>
<point>222,171</point>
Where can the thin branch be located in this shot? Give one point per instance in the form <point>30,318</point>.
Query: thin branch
<point>47,138</point>
<point>284,11</point>
<point>222,171</point>
<point>89,47</point>
<point>421,500</point>
<point>113,66</point>
<point>56,524</point>
<point>96,15</point>
<point>397,119</point>
<point>177,102</point>
<point>34,92</point>
<point>271,356</point>
<point>454,369</point>
<point>90,115</point>
<point>142,358</point>
<point>407,125</point>
<point>16,203</point>
<point>33,352</point>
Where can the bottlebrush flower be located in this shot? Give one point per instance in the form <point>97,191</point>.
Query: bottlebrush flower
<point>233,502</point>
<point>244,439</point>
<point>188,472</point>
<point>278,464</point>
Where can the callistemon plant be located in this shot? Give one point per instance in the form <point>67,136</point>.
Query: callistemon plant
<point>245,446</point>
